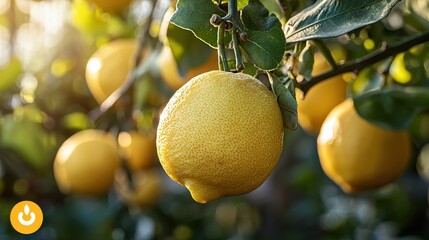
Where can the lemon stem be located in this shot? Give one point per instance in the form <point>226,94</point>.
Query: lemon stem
<point>237,32</point>
<point>133,73</point>
<point>223,63</point>
<point>12,28</point>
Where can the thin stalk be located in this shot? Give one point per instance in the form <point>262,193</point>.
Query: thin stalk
<point>221,47</point>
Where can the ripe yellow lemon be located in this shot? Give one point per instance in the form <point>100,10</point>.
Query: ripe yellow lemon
<point>360,156</point>
<point>320,99</point>
<point>138,149</point>
<point>220,135</point>
<point>86,163</point>
<point>147,187</point>
<point>108,67</point>
<point>112,6</point>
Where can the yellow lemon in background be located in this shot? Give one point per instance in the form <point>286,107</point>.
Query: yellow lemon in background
<point>108,68</point>
<point>138,149</point>
<point>86,163</point>
<point>146,190</point>
<point>358,155</point>
<point>321,98</point>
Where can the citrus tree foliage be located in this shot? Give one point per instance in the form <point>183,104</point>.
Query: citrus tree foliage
<point>378,46</point>
<point>267,43</point>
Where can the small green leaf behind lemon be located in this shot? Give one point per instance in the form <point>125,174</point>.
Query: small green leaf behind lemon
<point>284,92</point>
<point>306,61</point>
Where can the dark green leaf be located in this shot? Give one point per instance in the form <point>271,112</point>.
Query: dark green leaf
<point>188,51</point>
<point>194,15</point>
<point>393,107</point>
<point>275,7</point>
<point>256,17</point>
<point>283,89</point>
<point>265,45</point>
<point>306,61</point>
<point>331,18</point>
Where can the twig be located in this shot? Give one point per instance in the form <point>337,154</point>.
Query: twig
<point>221,47</point>
<point>131,77</point>
<point>12,27</point>
<point>370,59</point>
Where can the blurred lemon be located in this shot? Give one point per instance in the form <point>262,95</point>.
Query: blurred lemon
<point>108,68</point>
<point>138,149</point>
<point>360,156</point>
<point>146,190</point>
<point>321,98</point>
<point>221,134</point>
<point>86,163</point>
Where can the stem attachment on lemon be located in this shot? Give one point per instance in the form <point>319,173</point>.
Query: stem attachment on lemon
<point>230,22</point>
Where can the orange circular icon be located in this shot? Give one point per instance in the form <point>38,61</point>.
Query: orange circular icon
<point>26,217</point>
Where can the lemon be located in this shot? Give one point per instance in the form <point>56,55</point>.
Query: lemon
<point>220,135</point>
<point>320,99</point>
<point>147,187</point>
<point>138,149</point>
<point>360,156</point>
<point>108,67</point>
<point>86,163</point>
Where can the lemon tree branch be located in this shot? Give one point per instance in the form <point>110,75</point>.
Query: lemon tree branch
<point>359,64</point>
<point>132,74</point>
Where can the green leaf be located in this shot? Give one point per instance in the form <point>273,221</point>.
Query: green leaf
<point>256,17</point>
<point>392,107</point>
<point>275,7</point>
<point>331,18</point>
<point>285,94</point>
<point>306,61</point>
<point>10,73</point>
<point>188,51</point>
<point>194,15</point>
<point>265,45</point>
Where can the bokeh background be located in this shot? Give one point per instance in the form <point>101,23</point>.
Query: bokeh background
<point>44,99</point>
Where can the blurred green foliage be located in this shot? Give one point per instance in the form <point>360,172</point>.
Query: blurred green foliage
<point>44,100</point>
